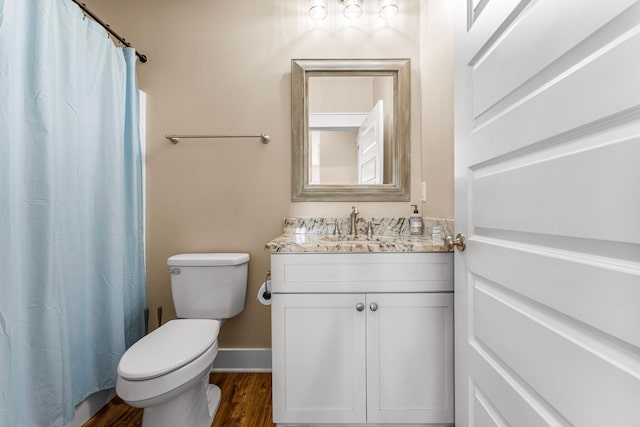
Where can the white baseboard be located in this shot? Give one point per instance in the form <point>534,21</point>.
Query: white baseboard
<point>243,360</point>
<point>90,406</point>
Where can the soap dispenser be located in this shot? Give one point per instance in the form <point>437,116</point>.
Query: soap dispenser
<point>415,222</point>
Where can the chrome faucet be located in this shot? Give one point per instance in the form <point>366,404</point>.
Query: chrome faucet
<point>353,216</point>
<point>336,228</point>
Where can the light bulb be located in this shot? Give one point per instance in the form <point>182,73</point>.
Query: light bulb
<point>352,9</point>
<point>388,9</point>
<point>318,9</point>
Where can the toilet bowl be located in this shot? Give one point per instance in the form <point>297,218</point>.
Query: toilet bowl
<point>167,371</point>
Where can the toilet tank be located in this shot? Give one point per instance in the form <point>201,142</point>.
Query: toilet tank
<point>208,285</point>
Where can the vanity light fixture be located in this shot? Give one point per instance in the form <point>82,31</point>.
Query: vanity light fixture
<point>388,9</point>
<point>352,9</point>
<point>318,9</point>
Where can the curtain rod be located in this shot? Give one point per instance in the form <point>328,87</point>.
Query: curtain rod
<point>85,9</point>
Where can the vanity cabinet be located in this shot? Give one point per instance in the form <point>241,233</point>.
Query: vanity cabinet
<point>362,338</point>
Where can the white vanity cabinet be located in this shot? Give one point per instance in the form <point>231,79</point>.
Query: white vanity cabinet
<point>362,338</point>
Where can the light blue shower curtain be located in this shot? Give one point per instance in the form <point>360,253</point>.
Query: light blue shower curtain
<point>72,285</point>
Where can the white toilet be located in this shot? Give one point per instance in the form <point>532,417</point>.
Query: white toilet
<point>167,371</point>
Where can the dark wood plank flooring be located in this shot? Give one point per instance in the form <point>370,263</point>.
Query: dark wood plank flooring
<point>246,401</point>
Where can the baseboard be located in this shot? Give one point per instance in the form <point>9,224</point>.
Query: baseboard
<point>90,406</point>
<point>243,360</point>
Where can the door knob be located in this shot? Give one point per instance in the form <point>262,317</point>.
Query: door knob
<point>373,306</point>
<point>359,306</point>
<point>460,242</point>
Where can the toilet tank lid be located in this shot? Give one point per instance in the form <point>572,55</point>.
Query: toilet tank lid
<point>170,347</point>
<point>207,259</point>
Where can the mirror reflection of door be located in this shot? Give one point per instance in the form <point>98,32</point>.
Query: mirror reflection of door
<point>349,129</point>
<point>370,150</point>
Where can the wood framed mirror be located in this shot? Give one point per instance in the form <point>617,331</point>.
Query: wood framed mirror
<point>350,129</point>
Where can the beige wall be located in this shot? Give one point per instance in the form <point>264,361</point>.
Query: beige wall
<point>224,67</point>
<point>338,157</point>
<point>340,94</point>
<point>436,72</point>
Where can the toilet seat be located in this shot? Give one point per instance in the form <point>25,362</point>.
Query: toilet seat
<point>145,393</point>
<point>167,360</point>
<point>170,347</point>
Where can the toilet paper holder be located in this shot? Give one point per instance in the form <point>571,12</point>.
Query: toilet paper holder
<point>267,288</point>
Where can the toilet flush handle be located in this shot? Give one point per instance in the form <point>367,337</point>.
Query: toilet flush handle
<point>174,270</point>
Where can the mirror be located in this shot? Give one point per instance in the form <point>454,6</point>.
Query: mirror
<point>350,129</point>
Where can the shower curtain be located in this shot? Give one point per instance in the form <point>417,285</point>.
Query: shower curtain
<point>72,284</point>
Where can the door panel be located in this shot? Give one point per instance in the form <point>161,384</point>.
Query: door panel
<point>517,58</point>
<point>576,90</point>
<point>370,146</point>
<point>556,351</point>
<point>547,142</point>
<point>563,191</point>
<point>484,412</point>
<point>587,290</point>
<point>503,397</point>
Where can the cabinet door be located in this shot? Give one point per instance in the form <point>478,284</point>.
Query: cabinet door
<point>319,364</point>
<point>410,358</point>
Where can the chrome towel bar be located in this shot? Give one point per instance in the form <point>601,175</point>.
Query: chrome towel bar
<point>264,138</point>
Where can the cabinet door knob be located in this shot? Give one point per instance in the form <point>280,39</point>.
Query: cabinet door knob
<point>373,306</point>
<point>359,306</point>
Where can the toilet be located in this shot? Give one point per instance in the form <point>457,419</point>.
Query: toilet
<point>167,371</point>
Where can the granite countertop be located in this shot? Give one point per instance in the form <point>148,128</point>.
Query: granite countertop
<point>319,235</point>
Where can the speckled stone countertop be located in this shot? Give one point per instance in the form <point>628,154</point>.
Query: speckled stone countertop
<point>310,234</point>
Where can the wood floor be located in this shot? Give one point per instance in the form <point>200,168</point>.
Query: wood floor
<point>246,401</point>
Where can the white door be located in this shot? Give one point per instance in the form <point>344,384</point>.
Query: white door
<point>547,181</point>
<point>410,358</point>
<point>370,146</point>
